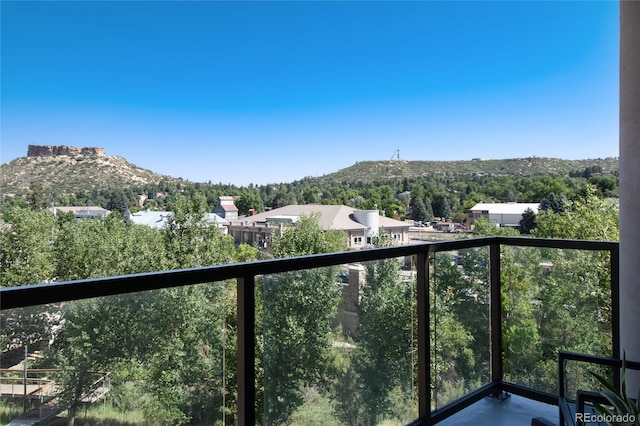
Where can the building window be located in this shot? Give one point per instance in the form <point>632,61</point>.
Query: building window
<point>357,241</point>
<point>396,237</point>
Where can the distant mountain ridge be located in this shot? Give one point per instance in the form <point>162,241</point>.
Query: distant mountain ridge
<point>66,170</point>
<point>369,171</point>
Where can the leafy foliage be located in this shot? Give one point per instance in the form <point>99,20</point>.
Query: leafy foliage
<point>306,237</point>
<point>27,247</point>
<point>528,221</point>
<point>383,358</point>
<point>484,228</point>
<point>247,200</point>
<point>298,308</point>
<point>190,240</point>
<point>588,217</point>
<point>622,403</point>
<point>419,211</point>
<point>179,335</point>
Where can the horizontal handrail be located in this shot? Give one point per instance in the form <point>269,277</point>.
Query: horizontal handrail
<point>31,370</point>
<point>596,359</point>
<point>56,292</point>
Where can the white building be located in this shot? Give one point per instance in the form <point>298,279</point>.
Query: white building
<point>503,214</point>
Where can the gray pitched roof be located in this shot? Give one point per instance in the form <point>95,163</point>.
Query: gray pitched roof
<point>331,216</point>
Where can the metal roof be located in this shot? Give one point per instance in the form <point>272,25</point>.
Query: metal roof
<point>506,208</point>
<point>330,216</point>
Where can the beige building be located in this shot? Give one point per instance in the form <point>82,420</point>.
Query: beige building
<point>226,209</point>
<point>360,225</point>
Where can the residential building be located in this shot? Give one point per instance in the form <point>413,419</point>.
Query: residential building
<point>360,225</point>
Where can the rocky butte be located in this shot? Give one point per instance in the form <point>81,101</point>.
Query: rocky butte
<point>50,151</point>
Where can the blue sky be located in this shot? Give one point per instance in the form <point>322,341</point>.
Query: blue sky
<point>266,92</point>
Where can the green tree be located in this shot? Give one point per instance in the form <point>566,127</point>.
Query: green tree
<point>26,257</point>
<point>528,221</point>
<point>190,240</point>
<point>245,253</point>
<point>247,200</point>
<point>429,209</point>
<point>485,228</point>
<point>418,210</point>
<point>455,313</point>
<point>298,308</point>
<point>471,199</point>
<point>553,203</point>
<point>117,201</point>
<point>37,198</point>
<point>588,218</point>
<point>307,237</point>
<point>607,185</point>
<point>384,337</point>
<point>82,347</point>
<point>26,247</point>
<point>441,206</point>
<point>182,378</point>
<point>95,248</point>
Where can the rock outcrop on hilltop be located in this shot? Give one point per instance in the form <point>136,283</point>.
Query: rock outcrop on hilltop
<point>50,151</point>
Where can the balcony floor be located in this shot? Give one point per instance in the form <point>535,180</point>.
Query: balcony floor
<point>514,411</point>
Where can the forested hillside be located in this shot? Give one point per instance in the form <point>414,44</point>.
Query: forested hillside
<point>445,189</point>
<point>371,171</point>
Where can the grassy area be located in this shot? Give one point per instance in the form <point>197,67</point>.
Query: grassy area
<point>99,415</point>
<point>315,411</point>
<point>5,413</point>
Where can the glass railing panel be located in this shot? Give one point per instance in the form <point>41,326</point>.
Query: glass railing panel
<point>579,376</point>
<point>460,337</point>
<point>157,357</point>
<point>339,344</point>
<point>553,299</point>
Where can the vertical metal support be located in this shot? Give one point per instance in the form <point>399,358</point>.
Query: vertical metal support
<point>246,351</point>
<point>26,356</point>
<point>615,310</point>
<point>615,302</point>
<point>496,317</point>
<point>424,350</point>
<point>561,384</point>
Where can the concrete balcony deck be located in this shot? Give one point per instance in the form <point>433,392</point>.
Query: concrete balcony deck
<point>513,411</point>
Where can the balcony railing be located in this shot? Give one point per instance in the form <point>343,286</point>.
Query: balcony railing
<point>492,296</point>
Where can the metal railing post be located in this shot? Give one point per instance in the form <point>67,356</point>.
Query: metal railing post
<point>246,351</point>
<point>424,358</point>
<point>496,316</point>
<point>614,259</point>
